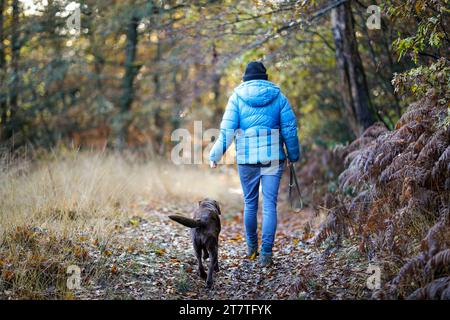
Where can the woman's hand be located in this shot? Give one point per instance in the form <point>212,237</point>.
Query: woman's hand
<point>213,164</point>
<point>289,163</point>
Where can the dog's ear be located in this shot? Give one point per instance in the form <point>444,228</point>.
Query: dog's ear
<point>216,204</point>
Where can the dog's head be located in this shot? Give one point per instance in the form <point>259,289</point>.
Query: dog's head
<point>210,204</point>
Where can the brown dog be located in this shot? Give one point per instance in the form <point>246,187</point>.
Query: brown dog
<point>205,225</point>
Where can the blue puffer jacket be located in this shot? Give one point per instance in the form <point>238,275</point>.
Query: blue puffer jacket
<point>261,120</point>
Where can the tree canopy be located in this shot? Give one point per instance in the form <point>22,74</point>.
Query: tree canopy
<point>135,70</point>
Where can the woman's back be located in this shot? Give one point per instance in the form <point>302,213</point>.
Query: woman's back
<point>259,116</point>
<point>258,102</point>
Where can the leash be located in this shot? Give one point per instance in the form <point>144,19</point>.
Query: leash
<point>294,183</point>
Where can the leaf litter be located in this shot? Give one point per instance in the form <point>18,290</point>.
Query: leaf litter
<point>153,258</point>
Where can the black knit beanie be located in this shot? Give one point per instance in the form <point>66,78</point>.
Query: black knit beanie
<point>255,70</point>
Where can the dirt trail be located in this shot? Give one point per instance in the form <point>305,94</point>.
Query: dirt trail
<point>154,259</point>
<point>158,262</point>
<point>162,263</point>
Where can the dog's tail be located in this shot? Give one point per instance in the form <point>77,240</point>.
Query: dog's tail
<point>188,222</point>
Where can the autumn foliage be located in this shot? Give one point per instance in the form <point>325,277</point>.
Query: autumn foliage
<point>395,195</point>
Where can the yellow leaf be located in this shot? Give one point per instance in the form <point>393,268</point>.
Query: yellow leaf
<point>160,251</point>
<point>236,238</point>
<point>69,296</point>
<point>134,222</point>
<point>308,236</point>
<point>419,6</point>
<point>253,256</point>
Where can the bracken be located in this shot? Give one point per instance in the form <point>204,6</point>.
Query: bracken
<point>402,183</point>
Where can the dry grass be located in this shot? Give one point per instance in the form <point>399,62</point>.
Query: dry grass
<point>79,192</point>
<point>55,210</point>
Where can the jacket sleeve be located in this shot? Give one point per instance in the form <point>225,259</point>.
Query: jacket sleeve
<point>289,131</point>
<point>228,126</point>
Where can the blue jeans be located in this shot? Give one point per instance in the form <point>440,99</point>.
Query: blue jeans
<point>250,176</point>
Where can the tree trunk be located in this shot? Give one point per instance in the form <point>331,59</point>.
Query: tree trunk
<point>355,92</point>
<point>131,71</point>
<point>159,121</point>
<point>177,99</point>
<point>98,53</point>
<point>15,51</point>
<point>218,109</point>
<point>11,111</point>
<point>3,106</point>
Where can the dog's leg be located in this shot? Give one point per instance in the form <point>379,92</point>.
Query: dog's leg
<point>205,254</point>
<point>211,267</point>
<point>216,265</point>
<point>201,269</point>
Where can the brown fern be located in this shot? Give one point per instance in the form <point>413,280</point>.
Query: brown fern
<point>439,289</point>
<point>402,180</point>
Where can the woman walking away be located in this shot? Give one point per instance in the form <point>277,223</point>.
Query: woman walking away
<point>260,119</point>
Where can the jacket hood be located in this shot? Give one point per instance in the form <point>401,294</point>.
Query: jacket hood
<point>257,93</point>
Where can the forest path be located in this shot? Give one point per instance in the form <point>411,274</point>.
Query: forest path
<point>157,261</point>
<point>165,267</point>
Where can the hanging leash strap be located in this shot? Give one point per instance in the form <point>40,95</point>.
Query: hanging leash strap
<point>294,183</point>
